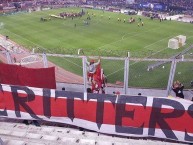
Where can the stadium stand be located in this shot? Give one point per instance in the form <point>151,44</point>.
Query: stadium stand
<point>187,4</point>
<point>13,132</point>
<point>17,133</point>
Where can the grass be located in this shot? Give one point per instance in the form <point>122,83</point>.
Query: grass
<point>102,37</point>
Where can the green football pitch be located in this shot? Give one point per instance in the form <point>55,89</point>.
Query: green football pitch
<point>103,36</point>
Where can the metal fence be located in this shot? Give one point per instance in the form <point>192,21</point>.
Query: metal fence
<point>135,73</point>
<point>127,73</point>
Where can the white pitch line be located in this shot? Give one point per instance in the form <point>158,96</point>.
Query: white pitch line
<point>155,53</point>
<point>29,41</point>
<point>128,34</point>
<point>115,72</point>
<point>162,49</point>
<point>127,37</point>
<point>148,56</point>
<point>40,46</point>
<point>156,42</point>
<point>190,37</point>
<point>25,39</point>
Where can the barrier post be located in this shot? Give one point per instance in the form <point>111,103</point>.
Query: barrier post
<point>171,77</point>
<point>1,142</point>
<point>126,74</point>
<point>45,60</point>
<point>8,57</point>
<point>84,60</point>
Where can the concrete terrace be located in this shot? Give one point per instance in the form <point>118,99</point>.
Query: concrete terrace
<point>14,132</point>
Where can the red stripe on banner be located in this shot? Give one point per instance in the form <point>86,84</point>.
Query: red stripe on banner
<point>2,100</point>
<point>85,110</point>
<point>35,105</point>
<point>8,100</point>
<point>88,111</point>
<point>58,107</point>
<point>180,123</point>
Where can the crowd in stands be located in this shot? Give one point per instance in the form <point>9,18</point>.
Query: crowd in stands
<point>107,2</point>
<point>65,2</point>
<point>8,3</point>
<point>186,4</point>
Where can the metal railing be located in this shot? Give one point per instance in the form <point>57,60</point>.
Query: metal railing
<point>126,72</point>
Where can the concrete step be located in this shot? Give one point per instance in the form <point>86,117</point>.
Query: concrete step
<point>17,133</point>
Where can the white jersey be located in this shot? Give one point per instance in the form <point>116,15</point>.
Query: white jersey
<point>92,67</point>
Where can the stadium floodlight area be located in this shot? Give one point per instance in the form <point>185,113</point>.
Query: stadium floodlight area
<point>177,42</point>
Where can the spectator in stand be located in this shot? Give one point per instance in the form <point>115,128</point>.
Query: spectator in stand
<point>92,68</point>
<point>178,89</point>
<point>34,122</point>
<point>116,93</point>
<point>89,90</point>
<point>96,85</point>
<point>186,4</point>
